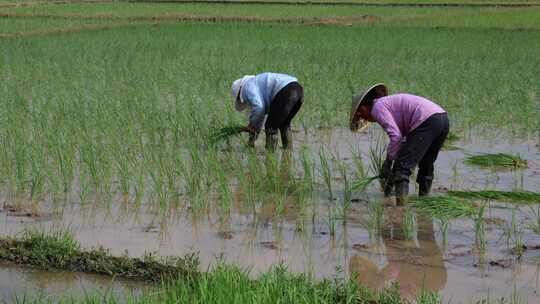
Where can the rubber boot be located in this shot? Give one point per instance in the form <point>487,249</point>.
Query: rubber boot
<point>424,187</point>
<point>402,192</point>
<point>271,139</point>
<point>286,137</point>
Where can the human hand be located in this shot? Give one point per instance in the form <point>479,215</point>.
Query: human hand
<point>250,129</point>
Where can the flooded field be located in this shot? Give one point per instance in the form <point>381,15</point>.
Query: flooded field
<point>311,238</point>
<point>16,282</point>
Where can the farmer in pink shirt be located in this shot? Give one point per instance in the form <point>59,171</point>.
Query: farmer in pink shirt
<point>417,128</point>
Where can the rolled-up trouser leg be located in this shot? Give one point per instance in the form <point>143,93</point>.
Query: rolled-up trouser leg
<point>428,137</point>
<point>283,108</point>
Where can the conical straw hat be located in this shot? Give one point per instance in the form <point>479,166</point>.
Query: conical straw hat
<point>360,124</point>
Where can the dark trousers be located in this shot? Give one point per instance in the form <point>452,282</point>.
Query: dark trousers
<point>421,148</point>
<point>284,107</point>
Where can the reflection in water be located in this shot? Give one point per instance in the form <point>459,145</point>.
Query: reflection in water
<point>414,265</point>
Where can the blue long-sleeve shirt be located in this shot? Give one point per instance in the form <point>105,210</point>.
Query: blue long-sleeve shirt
<point>259,92</point>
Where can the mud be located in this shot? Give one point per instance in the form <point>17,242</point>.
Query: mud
<point>256,240</point>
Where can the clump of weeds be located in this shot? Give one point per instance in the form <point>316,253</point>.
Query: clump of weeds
<point>59,250</point>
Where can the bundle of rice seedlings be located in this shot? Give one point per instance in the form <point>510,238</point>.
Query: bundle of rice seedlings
<point>226,133</point>
<point>509,196</point>
<point>443,207</point>
<point>362,183</point>
<point>502,160</point>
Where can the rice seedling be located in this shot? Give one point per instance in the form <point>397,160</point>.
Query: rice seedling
<point>479,227</point>
<point>308,169</point>
<point>332,214</point>
<point>506,196</point>
<point>347,191</point>
<point>534,224</point>
<point>498,160</point>
<point>444,224</point>
<point>513,234</point>
<point>376,160</point>
<point>443,207</point>
<point>409,224</point>
<point>326,172</point>
<point>362,183</point>
<point>226,133</point>
<point>376,156</point>
<point>375,217</point>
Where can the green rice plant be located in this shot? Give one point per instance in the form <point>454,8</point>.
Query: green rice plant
<point>377,154</point>
<point>362,180</point>
<point>362,183</point>
<point>444,223</point>
<point>332,214</point>
<point>409,223</point>
<point>308,169</point>
<point>534,225</point>
<point>326,172</point>
<point>443,207</point>
<point>38,175</point>
<point>513,234</point>
<point>498,160</point>
<point>226,133</point>
<point>479,227</point>
<point>507,196</point>
<point>347,191</point>
<point>375,217</point>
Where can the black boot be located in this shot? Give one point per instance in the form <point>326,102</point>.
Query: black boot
<point>424,187</point>
<point>402,192</point>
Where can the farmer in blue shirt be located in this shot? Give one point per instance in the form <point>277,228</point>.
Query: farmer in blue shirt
<point>278,95</point>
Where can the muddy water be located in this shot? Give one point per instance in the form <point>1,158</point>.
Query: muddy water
<point>15,282</point>
<point>450,264</point>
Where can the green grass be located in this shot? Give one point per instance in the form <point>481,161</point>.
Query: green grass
<point>497,160</point>
<point>230,285</point>
<point>58,250</point>
<point>507,196</point>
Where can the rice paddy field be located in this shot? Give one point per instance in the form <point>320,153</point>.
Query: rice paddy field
<point>107,149</point>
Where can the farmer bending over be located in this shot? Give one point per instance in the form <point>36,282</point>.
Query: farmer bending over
<point>417,128</point>
<point>278,95</point>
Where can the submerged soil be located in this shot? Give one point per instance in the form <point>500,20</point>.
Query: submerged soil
<point>452,265</point>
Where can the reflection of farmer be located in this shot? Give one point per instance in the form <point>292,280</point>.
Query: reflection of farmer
<point>278,95</point>
<point>414,268</point>
<point>417,128</point>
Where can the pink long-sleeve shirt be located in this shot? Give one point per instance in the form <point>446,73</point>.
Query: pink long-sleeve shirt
<point>400,114</point>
